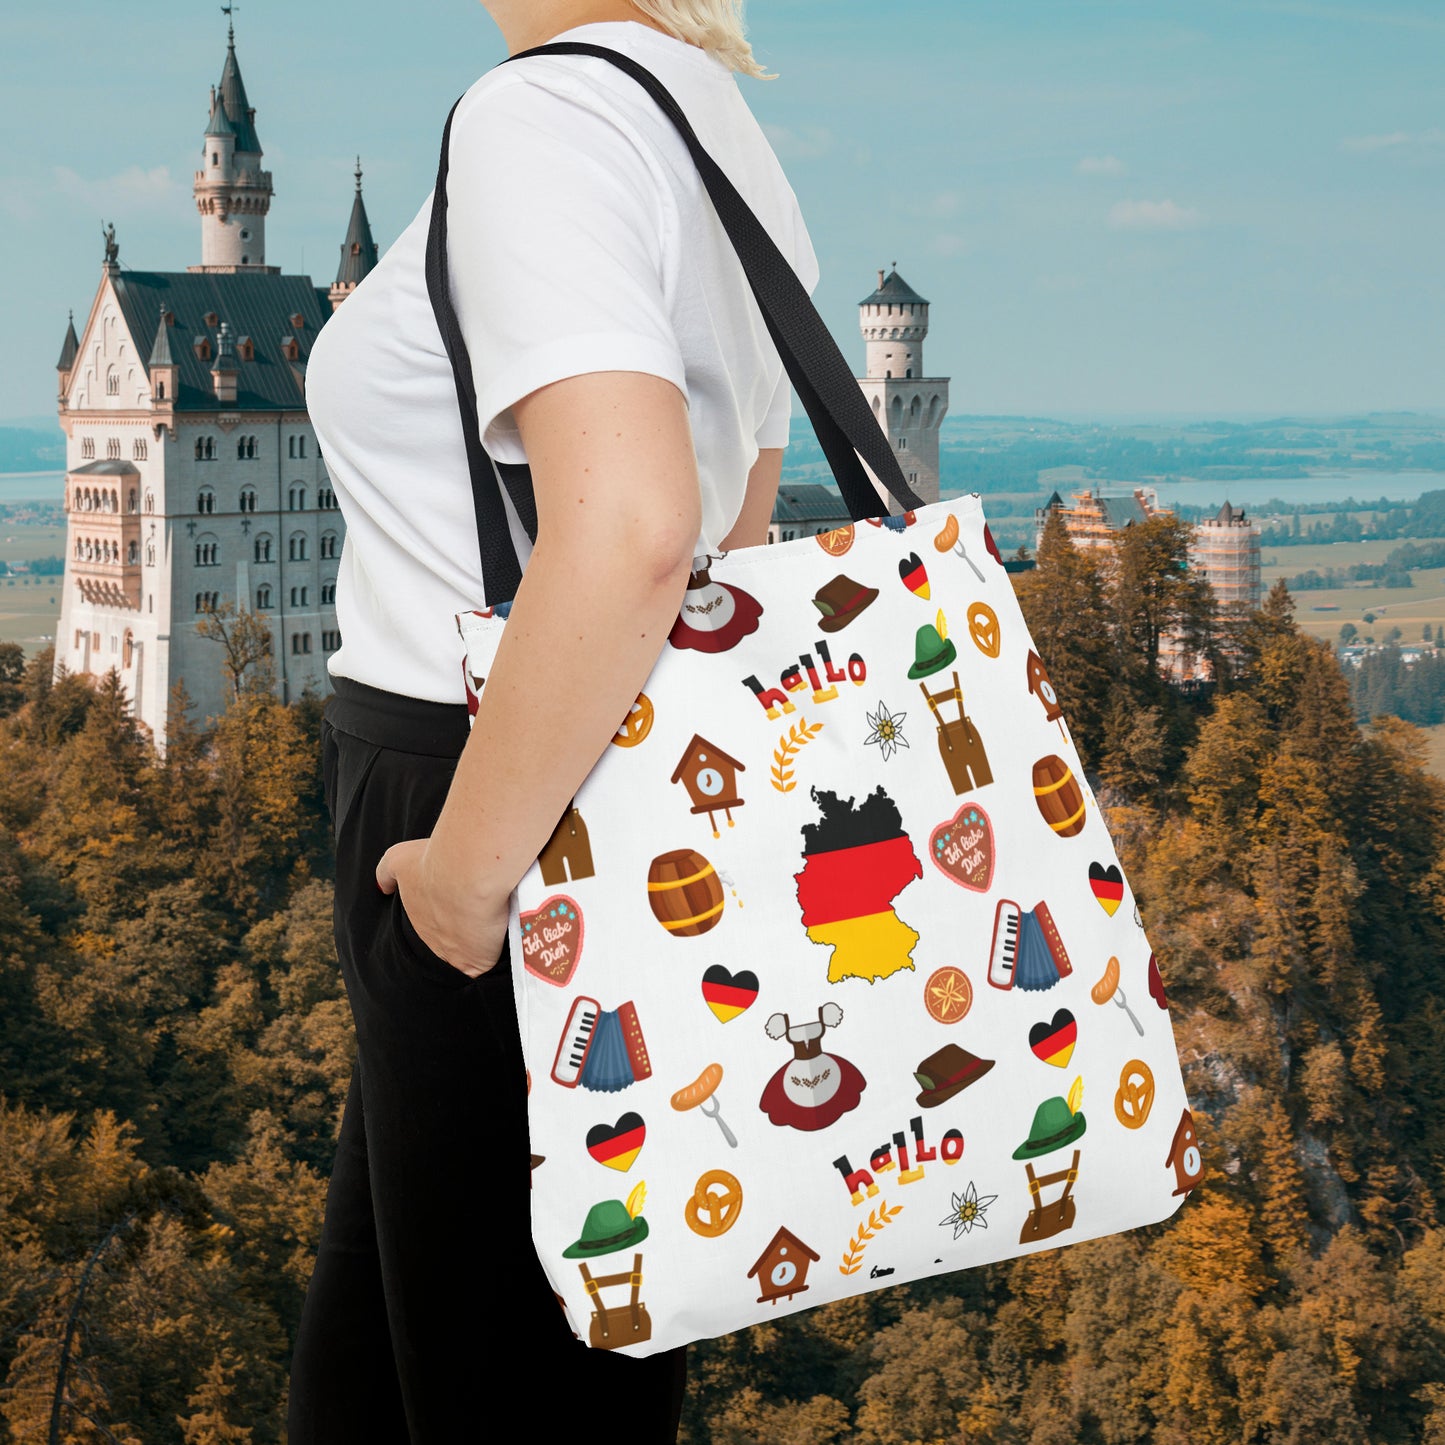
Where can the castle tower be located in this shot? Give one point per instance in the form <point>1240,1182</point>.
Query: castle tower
<point>909,405</point>
<point>193,483</point>
<point>1226,551</point>
<point>233,194</point>
<point>358,250</point>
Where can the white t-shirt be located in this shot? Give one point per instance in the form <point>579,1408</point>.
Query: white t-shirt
<point>581,240</point>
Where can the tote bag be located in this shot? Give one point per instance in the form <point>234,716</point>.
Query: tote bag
<point>829,979</point>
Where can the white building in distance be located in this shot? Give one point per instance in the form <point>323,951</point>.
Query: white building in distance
<point>910,405</point>
<point>192,472</point>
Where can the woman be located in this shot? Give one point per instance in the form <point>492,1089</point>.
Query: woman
<point>617,350</point>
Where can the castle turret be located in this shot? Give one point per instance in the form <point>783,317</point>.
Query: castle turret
<point>909,405</point>
<point>358,250</point>
<point>233,194</point>
<point>68,351</point>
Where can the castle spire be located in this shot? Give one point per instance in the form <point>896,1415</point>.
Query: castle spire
<point>358,250</point>
<point>69,348</point>
<point>233,194</point>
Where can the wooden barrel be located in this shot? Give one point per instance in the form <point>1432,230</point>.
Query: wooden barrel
<point>685,893</point>
<point>1060,799</point>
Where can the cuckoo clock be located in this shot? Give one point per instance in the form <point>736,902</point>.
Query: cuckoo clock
<point>568,854</point>
<point>710,777</point>
<point>1042,688</point>
<point>782,1268</point>
<point>1184,1155</point>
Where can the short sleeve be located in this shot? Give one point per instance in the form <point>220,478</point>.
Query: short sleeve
<point>557,227</point>
<point>775,427</point>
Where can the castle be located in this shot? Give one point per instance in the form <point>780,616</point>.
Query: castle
<point>193,479</point>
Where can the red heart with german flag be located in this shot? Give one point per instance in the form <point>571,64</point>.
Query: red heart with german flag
<point>915,579</point>
<point>1108,886</point>
<point>617,1145</point>
<point>1054,1041</point>
<point>728,994</point>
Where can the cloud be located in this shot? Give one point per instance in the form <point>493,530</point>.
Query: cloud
<point>948,244</point>
<point>1153,216</point>
<point>132,186</point>
<point>803,143</point>
<point>1099,166</point>
<point>1396,141</point>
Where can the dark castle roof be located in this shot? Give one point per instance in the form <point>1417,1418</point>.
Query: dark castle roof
<point>895,289</point>
<point>238,109</point>
<point>69,347</point>
<point>358,250</point>
<point>252,304</point>
<point>809,502</point>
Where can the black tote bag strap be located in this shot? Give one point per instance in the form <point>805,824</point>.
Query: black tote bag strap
<point>841,417</point>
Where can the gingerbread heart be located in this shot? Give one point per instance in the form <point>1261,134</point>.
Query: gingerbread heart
<point>617,1145</point>
<point>1108,886</point>
<point>963,848</point>
<point>729,994</point>
<point>552,940</point>
<point>1053,1041</point>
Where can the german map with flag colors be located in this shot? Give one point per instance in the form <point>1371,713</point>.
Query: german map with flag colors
<point>856,860</point>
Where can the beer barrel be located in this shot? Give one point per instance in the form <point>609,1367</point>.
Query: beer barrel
<point>685,893</point>
<point>1060,799</point>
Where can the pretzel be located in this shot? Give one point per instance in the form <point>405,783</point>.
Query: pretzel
<point>716,1202</point>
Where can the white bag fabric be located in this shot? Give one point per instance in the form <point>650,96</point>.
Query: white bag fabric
<point>838,990</point>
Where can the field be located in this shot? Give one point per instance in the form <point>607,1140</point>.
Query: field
<point>29,606</point>
<point>1408,608</point>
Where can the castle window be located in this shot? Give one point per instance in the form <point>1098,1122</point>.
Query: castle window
<point>202,347</point>
<point>245,235</point>
<point>160,391</point>
<point>208,551</point>
<point>245,260</point>
<point>248,499</point>
<point>215,158</point>
<point>328,544</point>
<point>909,372</point>
<point>132,553</point>
<point>211,319</point>
<point>328,593</point>
<point>246,446</point>
<point>263,548</point>
<point>290,348</point>
<point>300,596</point>
<point>205,449</point>
<point>297,547</point>
<point>138,450</point>
<point>150,554</point>
<point>296,445</point>
<point>325,499</point>
<point>263,597</point>
<point>246,350</point>
<point>902,444</point>
<point>130,500</point>
<point>330,641</point>
<point>205,501</point>
<point>207,601</point>
<point>112,382</point>
<point>127,655</point>
<point>112,448</point>
<point>150,502</point>
<point>298,321</point>
<point>300,642</point>
<point>87,447</point>
<point>296,498</point>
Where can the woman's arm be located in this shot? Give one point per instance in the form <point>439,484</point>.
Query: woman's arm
<point>618,517</point>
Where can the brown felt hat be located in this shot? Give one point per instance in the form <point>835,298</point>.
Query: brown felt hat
<point>840,601</point>
<point>948,1072</point>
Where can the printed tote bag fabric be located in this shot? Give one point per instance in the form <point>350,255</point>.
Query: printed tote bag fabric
<point>830,978</point>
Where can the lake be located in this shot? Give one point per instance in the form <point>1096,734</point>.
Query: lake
<point>1336,486</point>
<point>32,487</point>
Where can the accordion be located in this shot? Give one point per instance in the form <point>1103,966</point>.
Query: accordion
<point>600,1050</point>
<point>1026,951</point>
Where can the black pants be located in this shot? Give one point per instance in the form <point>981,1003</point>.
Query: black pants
<point>428,1314</point>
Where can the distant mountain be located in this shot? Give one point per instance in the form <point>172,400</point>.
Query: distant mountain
<point>31,449</point>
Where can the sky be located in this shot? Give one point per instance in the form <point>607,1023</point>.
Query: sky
<point>1116,208</point>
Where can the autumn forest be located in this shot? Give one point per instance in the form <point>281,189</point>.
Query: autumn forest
<point>175,1047</point>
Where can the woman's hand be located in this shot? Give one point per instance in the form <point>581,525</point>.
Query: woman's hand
<point>462,925</point>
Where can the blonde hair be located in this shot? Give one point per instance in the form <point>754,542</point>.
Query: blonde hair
<point>716,25</point>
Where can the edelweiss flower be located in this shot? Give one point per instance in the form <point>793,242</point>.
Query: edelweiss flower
<point>887,730</point>
<point>968,1211</point>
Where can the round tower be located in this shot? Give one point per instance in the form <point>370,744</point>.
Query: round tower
<point>910,406</point>
<point>233,194</point>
